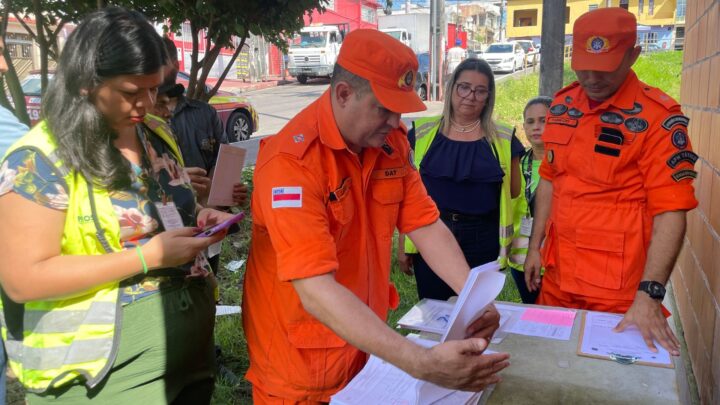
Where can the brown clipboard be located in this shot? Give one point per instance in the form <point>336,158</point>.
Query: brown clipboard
<point>608,358</point>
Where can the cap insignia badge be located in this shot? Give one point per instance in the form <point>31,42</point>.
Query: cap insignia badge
<point>597,44</point>
<point>407,81</point>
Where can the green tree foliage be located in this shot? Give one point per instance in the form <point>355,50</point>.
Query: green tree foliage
<point>228,24</point>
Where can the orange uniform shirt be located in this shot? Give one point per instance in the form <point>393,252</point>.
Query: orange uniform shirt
<point>613,168</point>
<point>319,208</point>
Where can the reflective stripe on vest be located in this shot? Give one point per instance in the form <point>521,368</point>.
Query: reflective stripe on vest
<point>77,336</point>
<point>425,131</point>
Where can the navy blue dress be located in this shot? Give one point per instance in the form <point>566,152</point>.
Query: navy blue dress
<point>464,180</point>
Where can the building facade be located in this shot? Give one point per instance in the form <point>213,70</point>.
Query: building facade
<point>696,279</point>
<point>660,22</point>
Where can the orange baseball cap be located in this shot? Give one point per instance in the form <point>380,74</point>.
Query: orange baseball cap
<point>601,37</point>
<point>389,65</point>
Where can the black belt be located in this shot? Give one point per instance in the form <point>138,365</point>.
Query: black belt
<point>456,217</point>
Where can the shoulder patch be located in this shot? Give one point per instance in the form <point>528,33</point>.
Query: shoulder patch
<point>682,156</point>
<point>659,96</point>
<point>684,174</point>
<point>677,119</point>
<point>297,144</point>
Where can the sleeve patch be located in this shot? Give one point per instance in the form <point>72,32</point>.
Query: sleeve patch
<point>679,139</point>
<point>287,197</point>
<point>682,156</point>
<point>684,174</point>
<point>673,120</point>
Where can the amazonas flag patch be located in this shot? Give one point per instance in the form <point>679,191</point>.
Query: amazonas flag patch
<point>287,197</point>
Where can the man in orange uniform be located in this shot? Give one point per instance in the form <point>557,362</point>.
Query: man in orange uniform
<point>616,184</point>
<point>330,189</point>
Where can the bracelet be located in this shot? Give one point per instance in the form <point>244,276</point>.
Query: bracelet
<point>142,258</point>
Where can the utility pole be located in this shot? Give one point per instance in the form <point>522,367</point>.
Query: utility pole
<point>503,18</point>
<point>437,45</point>
<point>552,46</point>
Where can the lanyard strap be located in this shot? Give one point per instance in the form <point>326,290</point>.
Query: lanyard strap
<point>527,164</point>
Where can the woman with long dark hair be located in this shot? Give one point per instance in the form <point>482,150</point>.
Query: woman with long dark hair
<point>106,292</point>
<point>469,165</point>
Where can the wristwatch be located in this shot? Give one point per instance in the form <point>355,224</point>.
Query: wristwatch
<point>654,289</point>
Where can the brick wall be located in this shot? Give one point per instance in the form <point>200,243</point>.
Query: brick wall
<point>696,279</point>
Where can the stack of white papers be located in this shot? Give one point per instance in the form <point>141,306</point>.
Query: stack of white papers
<point>380,382</point>
<point>483,285</point>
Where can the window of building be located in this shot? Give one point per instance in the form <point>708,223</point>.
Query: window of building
<point>624,4</point>
<point>525,18</point>
<point>567,15</point>
<point>641,6</point>
<point>680,9</point>
<point>651,7</point>
<point>592,7</point>
<point>608,3</point>
<point>19,45</point>
<point>368,14</point>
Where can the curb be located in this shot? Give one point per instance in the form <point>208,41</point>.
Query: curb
<point>254,86</point>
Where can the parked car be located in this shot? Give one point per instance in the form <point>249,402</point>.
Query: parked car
<point>532,54</point>
<point>504,56</point>
<point>421,83</point>
<point>237,114</point>
<point>652,48</point>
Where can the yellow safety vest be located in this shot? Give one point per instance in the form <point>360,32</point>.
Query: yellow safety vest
<point>52,342</point>
<point>425,131</point>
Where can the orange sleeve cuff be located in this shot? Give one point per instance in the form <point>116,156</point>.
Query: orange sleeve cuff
<point>308,260</point>
<point>677,197</point>
<point>545,171</point>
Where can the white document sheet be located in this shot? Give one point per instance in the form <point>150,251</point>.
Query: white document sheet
<point>544,323</point>
<point>508,315</point>
<point>380,382</point>
<point>598,339</point>
<point>228,172</point>
<point>428,315</point>
<point>221,310</point>
<point>481,288</point>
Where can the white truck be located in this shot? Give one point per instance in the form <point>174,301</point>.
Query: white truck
<point>314,50</point>
<point>416,27</point>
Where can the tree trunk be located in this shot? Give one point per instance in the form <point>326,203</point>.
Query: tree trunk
<point>194,65</point>
<point>208,62</point>
<point>42,44</point>
<point>238,49</point>
<point>16,91</point>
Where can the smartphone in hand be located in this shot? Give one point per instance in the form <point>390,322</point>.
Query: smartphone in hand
<point>221,226</point>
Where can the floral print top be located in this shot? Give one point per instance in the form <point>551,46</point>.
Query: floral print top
<point>160,179</point>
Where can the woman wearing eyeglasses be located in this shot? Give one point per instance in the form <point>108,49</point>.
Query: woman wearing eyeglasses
<point>470,167</point>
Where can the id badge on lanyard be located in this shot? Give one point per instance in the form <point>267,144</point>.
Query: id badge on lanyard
<point>526,226</point>
<point>169,215</point>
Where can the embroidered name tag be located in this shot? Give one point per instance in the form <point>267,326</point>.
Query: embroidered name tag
<point>390,173</point>
<point>562,121</point>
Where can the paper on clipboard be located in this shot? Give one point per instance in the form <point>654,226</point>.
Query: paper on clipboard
<point>598,340</point>
<point>228,172</point>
